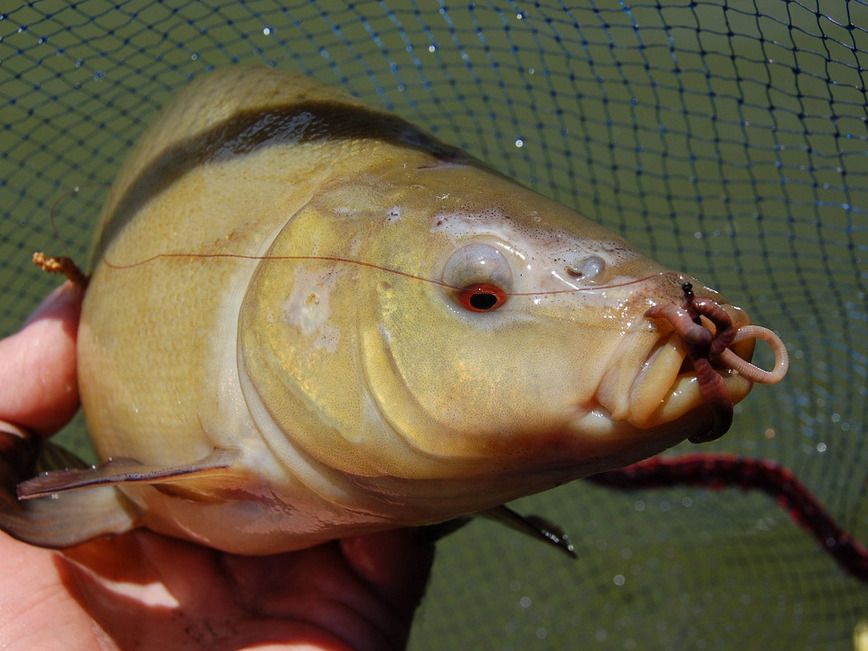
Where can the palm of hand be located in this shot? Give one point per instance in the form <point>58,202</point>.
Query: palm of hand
<point>143,591</point>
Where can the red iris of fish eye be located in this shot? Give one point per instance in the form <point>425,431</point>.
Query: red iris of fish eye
<point>481,297</point>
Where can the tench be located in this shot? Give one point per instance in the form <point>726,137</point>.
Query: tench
<point>307,319</point>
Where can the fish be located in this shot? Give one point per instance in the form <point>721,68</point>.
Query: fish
<point>307,318</point>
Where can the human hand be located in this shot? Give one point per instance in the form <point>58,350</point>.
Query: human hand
<point>141,590</point>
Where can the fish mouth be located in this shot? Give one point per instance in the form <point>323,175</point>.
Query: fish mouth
<point>676,379</point>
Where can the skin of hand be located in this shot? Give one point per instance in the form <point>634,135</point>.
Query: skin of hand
<point>141,590</point>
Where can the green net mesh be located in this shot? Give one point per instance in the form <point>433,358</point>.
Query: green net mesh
<point>726,139</point>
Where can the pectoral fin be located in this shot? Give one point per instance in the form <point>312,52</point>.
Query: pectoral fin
<point>67,520</point>
<point>62,508</point>
<point>533,525</point>
<point>62,521</point>
<point>125,471</point>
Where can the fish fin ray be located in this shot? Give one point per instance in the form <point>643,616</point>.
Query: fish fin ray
<point>124,471</point>
<point>532,525</point>
<point>59,522</point>
<point>69,519</point>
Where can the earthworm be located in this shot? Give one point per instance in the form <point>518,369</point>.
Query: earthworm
<point>750,371</point>
<point>718,471</point>
<point>703,348</point>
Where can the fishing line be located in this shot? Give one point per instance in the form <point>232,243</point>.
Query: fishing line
<point>73,192</point>
<point>729,359</point>
<point>371,265</point>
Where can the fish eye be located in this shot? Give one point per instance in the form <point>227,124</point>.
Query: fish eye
<point>586,268</point>
<point>479,277</point>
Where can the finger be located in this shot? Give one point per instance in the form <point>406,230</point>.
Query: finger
<point>38,387</point>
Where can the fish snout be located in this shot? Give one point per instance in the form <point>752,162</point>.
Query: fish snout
<point>701,330</point>
<point>714,342</point>
<point>689,361</point>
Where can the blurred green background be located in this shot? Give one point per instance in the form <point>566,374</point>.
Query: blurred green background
<point>726,139</point>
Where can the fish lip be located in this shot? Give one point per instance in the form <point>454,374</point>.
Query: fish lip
<point>665,387</point>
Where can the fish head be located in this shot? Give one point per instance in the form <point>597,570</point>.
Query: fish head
<point>446,322</point>
<point>535,335</point>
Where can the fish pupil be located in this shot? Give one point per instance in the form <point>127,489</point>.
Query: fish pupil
<point>481,297</point>
<point>482,302</point>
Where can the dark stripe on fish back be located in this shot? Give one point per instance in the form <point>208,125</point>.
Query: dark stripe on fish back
<point>248,131</point>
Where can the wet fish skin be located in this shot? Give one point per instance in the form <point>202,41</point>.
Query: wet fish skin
<point>278,344</point>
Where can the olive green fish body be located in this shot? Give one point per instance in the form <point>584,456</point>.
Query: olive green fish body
<point>309,319</point>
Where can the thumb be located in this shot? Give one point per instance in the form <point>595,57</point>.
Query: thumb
<point>37,365</point>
